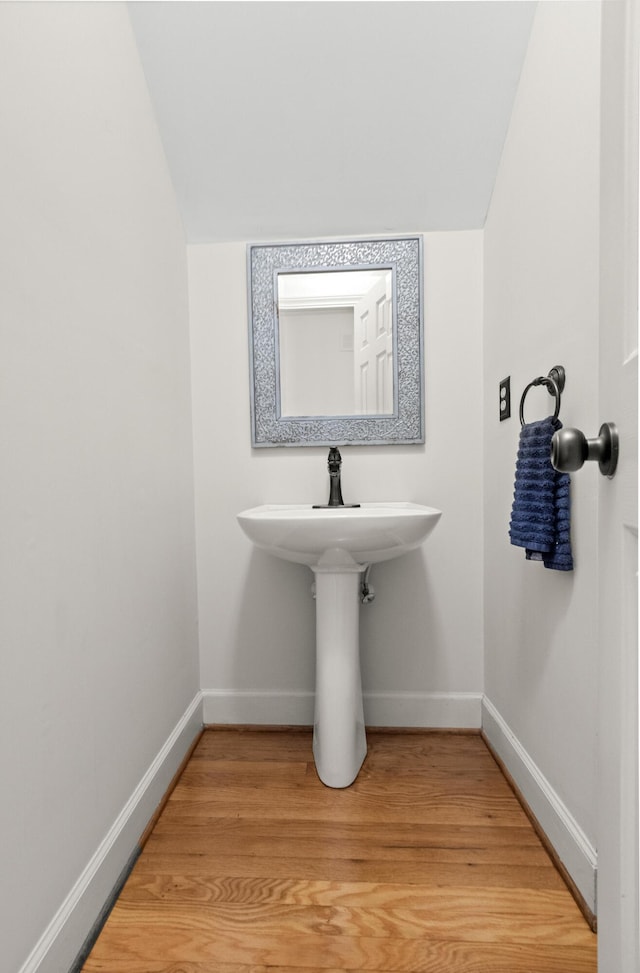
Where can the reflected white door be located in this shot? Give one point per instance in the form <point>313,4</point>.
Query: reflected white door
<point>373,351</point>
<point>618,774</point>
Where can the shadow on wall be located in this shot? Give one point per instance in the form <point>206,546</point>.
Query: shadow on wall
<point>402,644</point>
<point>275,638</point>
<point>555,591</point>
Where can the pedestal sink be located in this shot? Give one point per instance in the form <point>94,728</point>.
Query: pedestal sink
<point>338,544</point>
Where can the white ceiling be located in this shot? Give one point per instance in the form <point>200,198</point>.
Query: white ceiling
<point>289,120</point>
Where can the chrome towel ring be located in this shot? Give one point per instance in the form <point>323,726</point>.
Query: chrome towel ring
<point>554,382</point>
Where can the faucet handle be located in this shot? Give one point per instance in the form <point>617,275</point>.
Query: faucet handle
<point>335,459</point>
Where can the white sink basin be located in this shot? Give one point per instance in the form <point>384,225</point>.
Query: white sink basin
<point>370,533</point>
<point>338,544</point>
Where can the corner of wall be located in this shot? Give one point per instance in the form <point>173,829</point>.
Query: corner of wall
<point>64,941</point>
<point>569,842</point>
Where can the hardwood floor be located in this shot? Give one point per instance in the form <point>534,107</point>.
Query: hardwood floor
<point>426,863</point>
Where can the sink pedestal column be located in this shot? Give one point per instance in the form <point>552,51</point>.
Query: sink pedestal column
<point>339,741</point>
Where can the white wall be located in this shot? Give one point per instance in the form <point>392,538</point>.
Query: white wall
<point>316,369</point>
<point>97,571</point>
<point>423,633</point>
<point>541,309</point>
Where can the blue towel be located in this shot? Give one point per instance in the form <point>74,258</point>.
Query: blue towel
<point>540,516</point>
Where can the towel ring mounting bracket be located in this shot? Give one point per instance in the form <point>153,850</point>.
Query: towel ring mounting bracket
<point>554,381</point>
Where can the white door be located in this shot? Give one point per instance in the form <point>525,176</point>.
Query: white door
<point>373,350</point>
<point>618,827</point>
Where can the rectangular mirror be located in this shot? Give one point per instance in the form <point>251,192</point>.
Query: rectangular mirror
<point>339,325</point>
<point>336,342</point>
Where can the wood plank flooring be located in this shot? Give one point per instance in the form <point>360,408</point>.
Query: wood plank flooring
<point>427,863</point>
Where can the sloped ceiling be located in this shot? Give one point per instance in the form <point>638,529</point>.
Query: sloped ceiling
<point>289,120</point>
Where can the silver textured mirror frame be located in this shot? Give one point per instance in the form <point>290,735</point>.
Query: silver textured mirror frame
<point>403,256</point>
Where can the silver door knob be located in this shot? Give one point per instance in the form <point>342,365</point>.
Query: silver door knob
<point>570,449</point>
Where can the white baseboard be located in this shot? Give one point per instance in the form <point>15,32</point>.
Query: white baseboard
<point>441,710</point>
<point>240,706</point>
<point>65,935</point>
<point>569,841</point>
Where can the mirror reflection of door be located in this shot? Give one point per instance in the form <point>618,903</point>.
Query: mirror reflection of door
<point>373,350</point>
<point>335,343</point>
